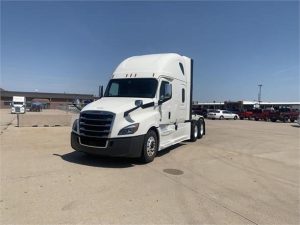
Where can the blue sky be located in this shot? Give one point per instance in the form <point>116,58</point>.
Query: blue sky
<point>74,47</point>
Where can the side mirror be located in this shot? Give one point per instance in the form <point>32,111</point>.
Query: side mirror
<point>77,104</point>
<point>138,103</point>
<point>161,100</point>
<point>77,101</point>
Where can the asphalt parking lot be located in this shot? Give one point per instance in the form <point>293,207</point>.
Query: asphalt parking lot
<point>241,172</point>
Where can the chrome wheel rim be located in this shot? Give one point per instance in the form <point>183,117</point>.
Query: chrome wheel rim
<point>201,130</point>
<point>196,132</point>
<point>151,145</point>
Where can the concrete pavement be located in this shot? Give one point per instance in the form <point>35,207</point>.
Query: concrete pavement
<point>241,172</point>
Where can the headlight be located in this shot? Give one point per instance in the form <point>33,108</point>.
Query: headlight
<point>129,129</point>
<point>75,126</point>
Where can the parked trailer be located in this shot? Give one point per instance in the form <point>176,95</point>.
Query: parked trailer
<point>147,107</point>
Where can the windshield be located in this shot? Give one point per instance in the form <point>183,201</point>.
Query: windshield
<point>135,88</point>
<point>18,103</point>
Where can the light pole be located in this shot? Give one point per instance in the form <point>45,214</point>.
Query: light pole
<point>259,93</point>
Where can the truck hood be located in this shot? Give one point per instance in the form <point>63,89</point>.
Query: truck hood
<point>114,104</point>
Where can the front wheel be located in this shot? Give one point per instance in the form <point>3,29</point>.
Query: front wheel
<point>221,118</point>
<point>150,147</point>
<point>235,118</point>
<point>285,119</point>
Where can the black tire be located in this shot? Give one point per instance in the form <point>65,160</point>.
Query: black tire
<point>150,147</point>
<point>285,119</point>
<point>256,119</point>
<point>221,118</point>
<point>201,128</point>
<point>292,120</point>
<point>194,131</point>
<point>273,119</point>
<point>235,118</point>
<point>249,118</point>
<point>241,118</point>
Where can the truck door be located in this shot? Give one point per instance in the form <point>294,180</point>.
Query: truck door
<point>165,102</point>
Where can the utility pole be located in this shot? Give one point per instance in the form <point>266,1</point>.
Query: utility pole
<point>259,93</point>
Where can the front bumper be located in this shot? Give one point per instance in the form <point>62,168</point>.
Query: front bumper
<point>117,147</point>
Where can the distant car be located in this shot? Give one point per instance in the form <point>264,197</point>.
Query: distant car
<point>201,112</point>
<point>36,107</point>
<point>285,115</point>
<point>245,115</point>
<point>222,114</point>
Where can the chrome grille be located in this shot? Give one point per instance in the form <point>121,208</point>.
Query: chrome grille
<point>95,124</point>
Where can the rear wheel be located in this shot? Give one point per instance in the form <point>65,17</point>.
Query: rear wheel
<point>256,119</point>
<point>150,147</point>
<point>194,131</point>
<point>285,119</point>
<point>235,117</point>
<point>201,128</point>
<point>292,120</point>
<point>221,118</point>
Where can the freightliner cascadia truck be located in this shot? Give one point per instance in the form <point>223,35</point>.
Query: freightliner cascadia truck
<point>146,107</point>
<point>18,104</point>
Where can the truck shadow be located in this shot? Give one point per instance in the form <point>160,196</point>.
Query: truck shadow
<point>97,161</point>
<point>298,126</point>
<point>108,162</point>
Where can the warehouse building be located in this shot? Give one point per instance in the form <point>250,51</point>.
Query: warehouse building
<point>50,100</point>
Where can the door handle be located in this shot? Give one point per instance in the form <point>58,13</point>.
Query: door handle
<point>169,115</point>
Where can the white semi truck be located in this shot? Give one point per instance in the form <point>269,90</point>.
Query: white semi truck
<point>18,104</point>
<point>147,107</point>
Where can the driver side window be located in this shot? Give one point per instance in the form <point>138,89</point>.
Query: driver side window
<point>165,92</point>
